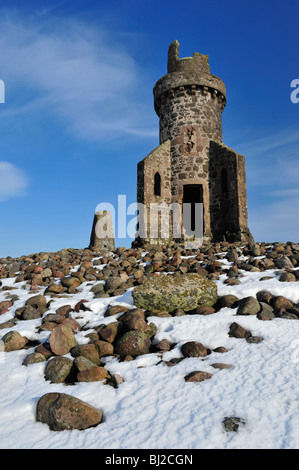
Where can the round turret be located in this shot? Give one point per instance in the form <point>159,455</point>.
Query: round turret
<point>189,94</point>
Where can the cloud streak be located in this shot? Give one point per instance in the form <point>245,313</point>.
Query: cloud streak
<point>272,160</point>
<point>79,74</point>
<point>272,142</point>
<point>13,181</point>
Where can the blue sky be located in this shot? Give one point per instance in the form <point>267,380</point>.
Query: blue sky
<point>78,112</point>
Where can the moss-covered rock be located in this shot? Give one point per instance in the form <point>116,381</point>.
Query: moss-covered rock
<point>168,292</point>
<point>13,341</point>
<point>64,412</point>
<point>133,343</point>
<point>57,369</point>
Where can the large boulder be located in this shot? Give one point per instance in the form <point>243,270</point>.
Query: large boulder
<point>54,289</point>
<point>37,301</point>
<point>104,348</point>
<point>194,349</point>
<point>33,358</point>
<point>112,283</point>
<point>168,292</point>
<point>30,313</point>
<point>82,363</point>
<point>133,343</point>
<point>62,340</point>
<point>89,351</point>
<point>57,369</point>
<point>248,306</point>
<point>281,302</point>
<point>13,341</point>
<point>229,301</point>
<point>92,374</point>
<point>284,262</point>
<point>61,411</point>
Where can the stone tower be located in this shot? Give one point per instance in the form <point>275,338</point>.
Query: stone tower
<point>191,164</point>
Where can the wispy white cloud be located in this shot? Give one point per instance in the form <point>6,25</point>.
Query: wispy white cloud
<point>274,141</point>
<point>80,74</point>
<point>13,181</point>
<point>272,160</point>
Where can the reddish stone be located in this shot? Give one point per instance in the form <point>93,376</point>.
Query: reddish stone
<point>62,340</point>
<point>3,310</point>
<point>6,304</point>
<point>109,332</point>
<point>104,348</point>
<point>80,306</point>
<point>64,310</point>
<point>197,376</point>
<point>89,351</point>
<point>194,349</point>
<point>203,310</point>
<point>57,274</point>
<point>64,412</point>
<point>93,374</point>
<point>13,341</point>
<point>237,331</point>
<point>71,323</point>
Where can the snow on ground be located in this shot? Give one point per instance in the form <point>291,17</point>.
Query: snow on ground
<point>155,408</point>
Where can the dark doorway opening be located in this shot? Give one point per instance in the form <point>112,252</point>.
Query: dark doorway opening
<point>192,197</point>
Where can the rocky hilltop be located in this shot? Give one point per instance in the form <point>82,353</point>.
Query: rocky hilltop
<point>75,311</point>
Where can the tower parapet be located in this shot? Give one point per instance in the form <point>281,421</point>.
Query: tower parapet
<point>188,85</point>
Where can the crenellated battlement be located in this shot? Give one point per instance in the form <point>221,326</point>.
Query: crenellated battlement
<point>188,75</point>
<point>199,63</point>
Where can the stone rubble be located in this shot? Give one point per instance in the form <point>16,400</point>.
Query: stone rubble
<point>59,275</point>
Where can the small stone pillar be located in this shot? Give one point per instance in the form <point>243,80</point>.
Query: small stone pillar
<point>102,234</point>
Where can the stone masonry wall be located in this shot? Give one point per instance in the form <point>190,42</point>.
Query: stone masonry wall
<point>228,203</point>
<point>190,117</point>
<point>158,161</point>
